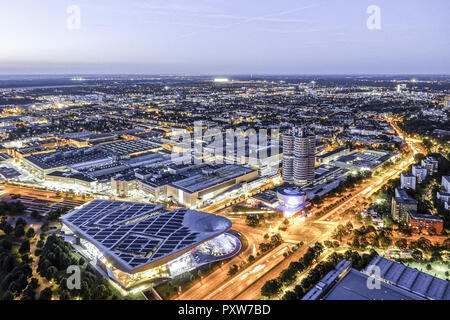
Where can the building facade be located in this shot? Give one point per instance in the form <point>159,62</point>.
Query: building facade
<point>408,181</point>
<point>419,221</point>
<point>401,203</point>
<point>298,157</point>
<point>419,172</point>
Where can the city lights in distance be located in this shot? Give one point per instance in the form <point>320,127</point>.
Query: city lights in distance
<point>221,80</point>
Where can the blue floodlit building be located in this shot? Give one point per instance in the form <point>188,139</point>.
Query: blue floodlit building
<point>136,242</point>
<point>292,200</point>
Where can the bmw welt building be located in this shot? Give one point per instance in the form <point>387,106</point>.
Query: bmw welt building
<point>136,242</point>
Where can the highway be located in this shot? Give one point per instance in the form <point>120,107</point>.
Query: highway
<point>313,230</point>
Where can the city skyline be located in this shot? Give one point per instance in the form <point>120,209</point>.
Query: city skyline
<point>196,154</point>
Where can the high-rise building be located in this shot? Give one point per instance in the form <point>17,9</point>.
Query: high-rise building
<point>420,172</point>
<point>401,203</point>
<point>288,158</point>
<point>299,148</point>
<point>431,164</point>
<point>446,183</point>
<point>407,181</point>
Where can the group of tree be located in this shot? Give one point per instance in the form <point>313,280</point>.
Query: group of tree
<point>252,220</point>
<point>288,275</point>
<point>366,236</point>
<point>359,262</point>
<point>15,275</point>
<point>56,257</point>
<point>275,241</point>
<point>55,214</point>
<point>12,208</point>
<point>332,206</point>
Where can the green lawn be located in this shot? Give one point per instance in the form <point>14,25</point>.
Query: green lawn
<point>437,269</point>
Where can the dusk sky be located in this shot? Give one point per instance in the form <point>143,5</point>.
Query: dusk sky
<point>225,37</point>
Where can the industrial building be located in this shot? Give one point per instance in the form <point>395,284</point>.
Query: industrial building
<point>363,160</point>
<point>396,282</point>
<point>207,183</point>
<point>64,158</point>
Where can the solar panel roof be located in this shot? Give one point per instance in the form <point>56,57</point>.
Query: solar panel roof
<point>137,234</point>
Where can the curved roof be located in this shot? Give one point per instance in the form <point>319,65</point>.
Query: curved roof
<point>134,235</point>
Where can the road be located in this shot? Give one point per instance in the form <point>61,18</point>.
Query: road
<point>36,193</point>
<point>250,290</point>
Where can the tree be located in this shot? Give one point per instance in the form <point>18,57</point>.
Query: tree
<point>388,222</point>
<point>252,220</point>
<point>7,228</point>
<point>8,295</point>
<point>40,244</point>
<point>296,266</point>
<point>355,243</point>
<point>375,242</point>
<point>436,256</point>
<point>417,255</point>
<point>46,294</point>
<point>100,292</point>
<point>233,270</point>
<point>421,243</point>
<point>401,244</point>
<point>85,291</point>
<point>5,244</point>
<point>34,283</point>
<point>21,221</point>
<point>349,226</point>
<point>35,215</point>
<point>51,272</point>
<point>63,295</point>
<point>271,288</point>
<point>8,263</point>
<point>30,233</point>
<point>287,275</point>
<point>290,295</point>
<point>19,231</point>
<point>386,241</point>
<point>299,291</point>
<point>328,244</point>
<point>25,246</point>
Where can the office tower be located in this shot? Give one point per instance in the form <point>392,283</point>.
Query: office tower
<point>299,148</point>
<point>288,158</point>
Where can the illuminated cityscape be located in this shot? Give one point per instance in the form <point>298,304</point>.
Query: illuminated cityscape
<point>130,182</point>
